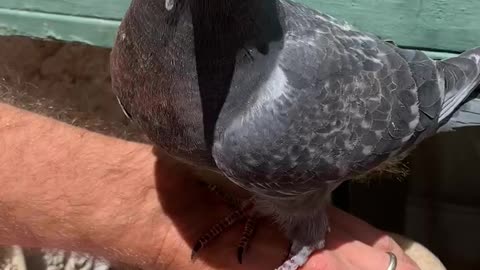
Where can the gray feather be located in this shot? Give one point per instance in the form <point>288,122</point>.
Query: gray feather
<point>467,115</point>
<point>461,75</point>
<point>336,104</point>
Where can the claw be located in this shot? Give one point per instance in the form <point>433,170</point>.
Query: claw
<point>242,208</point>
<point>240,253</point>
<point>246,237</point>
<point>220,227</point>
<point>195,250</point>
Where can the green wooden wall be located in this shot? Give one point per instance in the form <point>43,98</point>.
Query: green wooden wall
<point>436,25</point>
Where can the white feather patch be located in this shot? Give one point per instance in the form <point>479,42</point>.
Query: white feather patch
<point>169,4</point>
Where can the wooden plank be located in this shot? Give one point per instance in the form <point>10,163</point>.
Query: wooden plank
<point>435,24</point>
<point>105,9</point>
<point>440,55</point>
<point>440,25</point>
<point>98,32</point>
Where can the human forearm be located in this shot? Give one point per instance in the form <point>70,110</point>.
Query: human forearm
<point>66,187</point>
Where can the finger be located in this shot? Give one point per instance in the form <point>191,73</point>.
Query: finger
<point>360,255</point>
<point>364,232</point>
<point>327,260</point>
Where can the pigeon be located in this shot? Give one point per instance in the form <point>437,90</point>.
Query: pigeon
<point>285,101</point>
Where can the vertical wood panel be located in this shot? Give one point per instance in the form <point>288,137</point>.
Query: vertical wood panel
<point>442,25</point>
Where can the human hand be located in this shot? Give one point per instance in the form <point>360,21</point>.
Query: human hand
<point>351,245</point>
<point>115,199</point>
<point>354,244</point>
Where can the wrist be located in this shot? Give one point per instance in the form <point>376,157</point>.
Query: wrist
<point>129,216</point>
<point>68,188</point>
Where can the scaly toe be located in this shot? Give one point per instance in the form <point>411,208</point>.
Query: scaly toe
<point>220,227</point>
<point>301,256</point>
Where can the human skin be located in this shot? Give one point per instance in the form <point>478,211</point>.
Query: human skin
<point>66,187</point>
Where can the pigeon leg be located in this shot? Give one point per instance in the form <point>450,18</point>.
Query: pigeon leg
<point>299,251</point>
<point>221,226</point>
<point>300,255</point>
<point>232,202</point>
<point>241,211</point>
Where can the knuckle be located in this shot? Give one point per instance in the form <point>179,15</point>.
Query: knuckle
<point>386,243</point>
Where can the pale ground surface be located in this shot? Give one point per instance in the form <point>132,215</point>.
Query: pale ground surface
<point>72,83</point>
<point>69,82</point>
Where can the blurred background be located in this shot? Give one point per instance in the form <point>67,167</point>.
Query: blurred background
<point>437,203</point>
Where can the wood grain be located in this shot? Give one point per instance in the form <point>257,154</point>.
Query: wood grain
<point>433,24</point>
<point>436,25</point>
<point>105,9</point>
<point>93,31</point>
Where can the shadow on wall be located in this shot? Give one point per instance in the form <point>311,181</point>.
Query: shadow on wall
<point>437,204</point>
<point>443,203</point>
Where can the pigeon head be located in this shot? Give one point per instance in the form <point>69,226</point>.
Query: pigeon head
<point>175,64</point>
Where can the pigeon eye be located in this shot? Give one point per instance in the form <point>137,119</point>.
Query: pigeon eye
<point>248,54</point>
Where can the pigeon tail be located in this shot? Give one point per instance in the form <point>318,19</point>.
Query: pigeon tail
<point>461,105</point>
